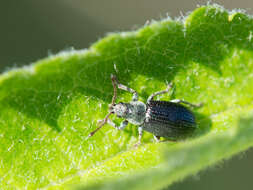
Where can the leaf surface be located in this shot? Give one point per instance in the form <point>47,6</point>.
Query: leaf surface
<point>48,109</point>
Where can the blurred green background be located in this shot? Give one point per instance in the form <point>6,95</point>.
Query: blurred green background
<point>31,30</point>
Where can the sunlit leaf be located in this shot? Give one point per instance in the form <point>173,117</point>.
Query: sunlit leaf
<point>48,109</point>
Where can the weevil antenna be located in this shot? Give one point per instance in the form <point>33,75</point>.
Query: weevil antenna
<point>104,121</point>
<point>114,84</point>
<point>101,124</point>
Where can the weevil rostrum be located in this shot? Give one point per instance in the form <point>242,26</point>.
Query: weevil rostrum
<point>169,119</point>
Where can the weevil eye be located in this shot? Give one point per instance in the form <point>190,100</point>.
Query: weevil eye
<point>111,107</point>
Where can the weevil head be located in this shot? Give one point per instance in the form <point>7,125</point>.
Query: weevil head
<point>120,109</point>
<point>133,112</point>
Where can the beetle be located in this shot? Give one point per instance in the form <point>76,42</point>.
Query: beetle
<point>169,119</point>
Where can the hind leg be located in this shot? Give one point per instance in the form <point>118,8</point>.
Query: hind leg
<point>188,103</point>
<point>157,138</point>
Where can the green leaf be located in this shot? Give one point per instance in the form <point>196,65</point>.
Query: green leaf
<point>48,109</point>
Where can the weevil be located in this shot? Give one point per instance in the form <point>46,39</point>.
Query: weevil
<point>169,119</point>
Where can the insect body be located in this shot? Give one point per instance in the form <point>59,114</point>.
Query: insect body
<point>169,119</point>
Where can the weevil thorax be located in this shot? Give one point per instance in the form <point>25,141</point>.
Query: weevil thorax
<point>133,112</point>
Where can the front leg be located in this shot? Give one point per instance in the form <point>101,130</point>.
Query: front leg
<point>123,124</point>
<point>123,87</point>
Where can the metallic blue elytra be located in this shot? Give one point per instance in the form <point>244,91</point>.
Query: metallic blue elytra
<point>169,119</point>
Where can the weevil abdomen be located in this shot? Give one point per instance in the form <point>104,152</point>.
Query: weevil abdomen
<point>168,119</point>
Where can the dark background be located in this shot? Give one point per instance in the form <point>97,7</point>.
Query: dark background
<point>33,29</point>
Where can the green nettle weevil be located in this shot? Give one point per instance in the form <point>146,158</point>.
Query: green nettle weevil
<point>169,119</point>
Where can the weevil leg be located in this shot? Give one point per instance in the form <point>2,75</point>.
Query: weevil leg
<point>188,103</point>
<point>123,87</point>
<point>157,138</point>
<point>140,132</point>
<point>135,94</point>
<point>151,97</point>
<point>122,125</point>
